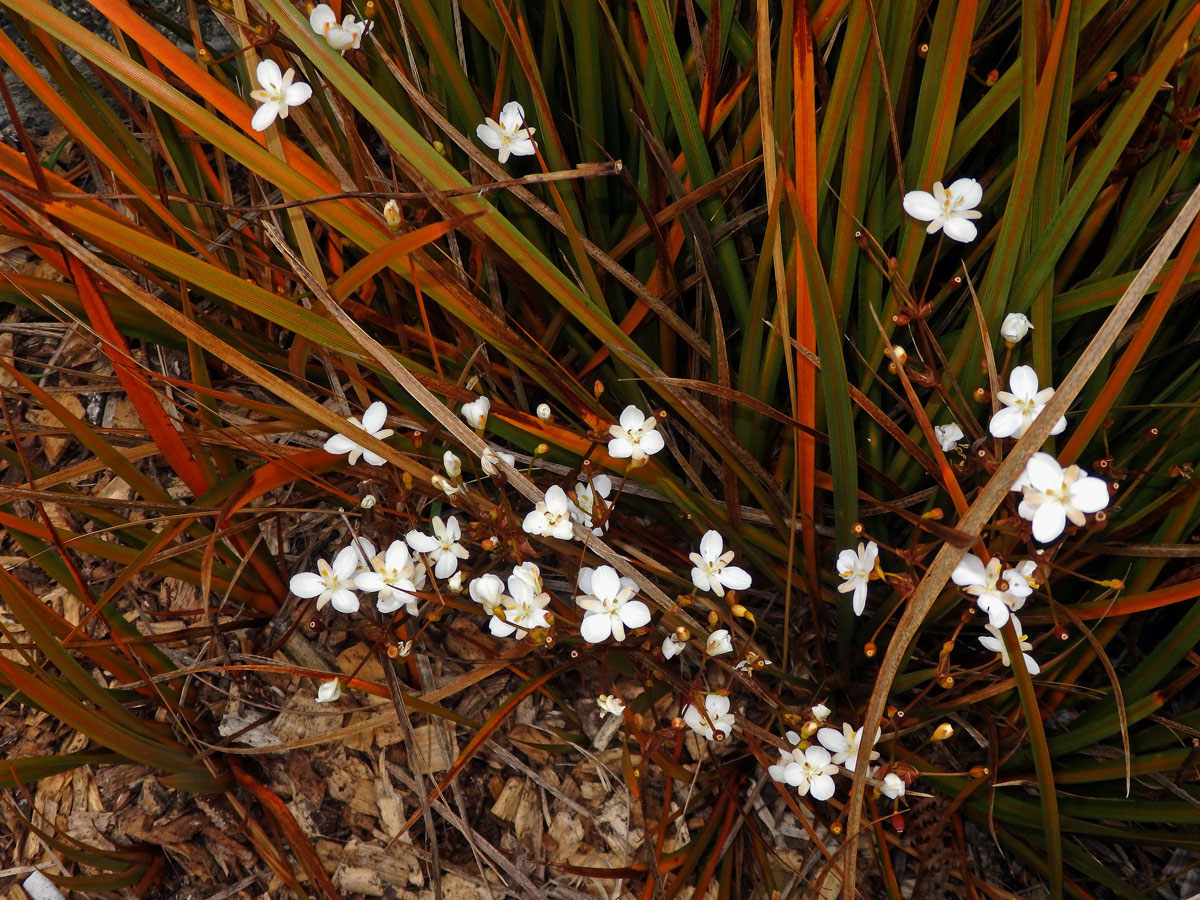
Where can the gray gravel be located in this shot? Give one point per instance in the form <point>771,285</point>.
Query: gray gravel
<point>37,121</point>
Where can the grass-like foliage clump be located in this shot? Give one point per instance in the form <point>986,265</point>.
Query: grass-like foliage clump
<point>786,405</point>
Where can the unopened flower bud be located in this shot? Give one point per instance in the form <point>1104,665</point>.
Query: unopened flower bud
<point>1014,328</point>
<point>979,772</point>
<point>452,463</point>
<point>541,449</point>
<point>367,502</point>
<point>391,214</point>
<point>899,354</point>
<point>455,584</point>
<point>808,729</point>
<point>943,732</point>
<point>869,650</point>
<point>544,413</point>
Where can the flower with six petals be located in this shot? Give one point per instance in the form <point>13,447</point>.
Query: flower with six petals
<point>396,579</point>
<point>635,437</point>
<point>507,136</point>
<point>277,94</point>
<point>856,569</point>
<point>608,605</point>
<point>948,209</point>
<point>552,516</point>
<point>810,771</point>
<point>711,567</point>
<point>443,547</point>
<point>333,584</point>
<point>1022,405</point>
<point>1054,496</point>
<point>845,745</point>
<point>372,423</point>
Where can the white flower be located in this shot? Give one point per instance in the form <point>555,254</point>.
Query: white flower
<point>981,582</point>
<point>488,592</point>
<point>719,718</point>
<point>948,436</point>
<point>809,771</point>
<point>507,136</point>
<point>614,706</point>
<point>634,438</point>
<point>490,460</point>
<point>551,517</point>
<point>718,643</point>
<point>1014,328</point>
<point>892,786</point>
<point>524,608</point>
<point>950,209</point>
<point>452,463</point>
<point>844,745</point>
<point>476,412</point>
<point>396,579</point>
<point>329,690</point>
<point>544,413</point>
<point>372,423</point>
<point>856,569</point>
<point>330,583</point>
<point>347,36</point>
<point>711,570</point>
<point>276,93</point>
<point>1024,404</point>
<point>443,547</point>
<point>586,508</point>
<point>1054,494</point>
<point>608,605</point>
<point>994,641</point>
<point>672,646</point>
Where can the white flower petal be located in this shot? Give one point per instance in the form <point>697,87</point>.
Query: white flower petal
<point>1089,494</point>
<point>959,229</point>
<point>1048,522</point>
<point>922,205</point>
<point>595,628</point>
<point>969,191</point>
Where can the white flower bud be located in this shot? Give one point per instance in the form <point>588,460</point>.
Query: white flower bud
<point>367,502</point>
<point>476,412</point>
<point>544,413</point>
<point>391,214</point>
<point>452,463</point>
<point>1014,328</point>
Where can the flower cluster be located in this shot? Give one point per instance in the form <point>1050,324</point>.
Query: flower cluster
<point>521,610</point>
<point>341,37</point>
<point>810,768</point>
